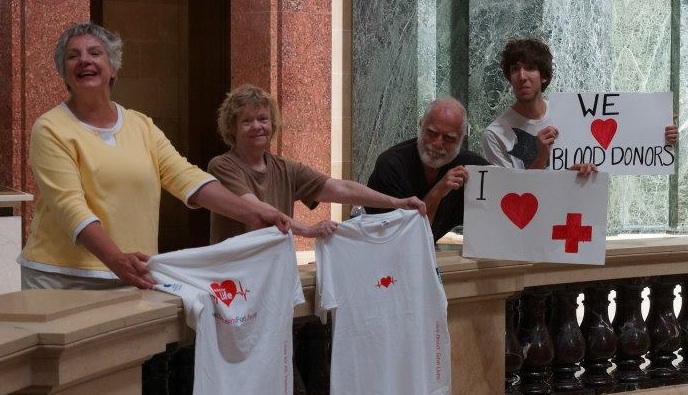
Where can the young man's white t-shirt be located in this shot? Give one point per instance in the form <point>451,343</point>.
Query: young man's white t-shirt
<point>511,138</point>
<point>239,296</point>
<point>378,276</point>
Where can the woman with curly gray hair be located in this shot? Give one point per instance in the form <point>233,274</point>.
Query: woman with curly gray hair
<point>247,121</point>
<point>112,44</point>
<point>100,168</point>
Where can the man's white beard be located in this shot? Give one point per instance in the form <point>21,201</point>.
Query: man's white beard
<point>434,158</point>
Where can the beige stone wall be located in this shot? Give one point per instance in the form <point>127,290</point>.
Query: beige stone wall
<point>153,77</point>
<point>154,81</point>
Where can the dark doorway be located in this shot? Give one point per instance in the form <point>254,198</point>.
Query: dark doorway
<point>209,81</point>
<point>187,77</point>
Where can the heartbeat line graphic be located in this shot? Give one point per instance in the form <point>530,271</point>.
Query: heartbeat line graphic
<point>242,292</point>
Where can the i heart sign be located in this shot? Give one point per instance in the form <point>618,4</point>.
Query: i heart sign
<point>603,130</point>
<point>225,291</point>
<point>520,209</point>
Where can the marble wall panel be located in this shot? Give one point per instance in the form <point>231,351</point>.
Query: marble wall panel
<point>251,47</point>
<point>640,42</point>
<point>492,23</point>
<point>405,55</point>
<point>305,93</point>
<point>452,49</point>
<point>7,163</point>
<point>426,53</point>
<point>385,78</point>
<point>580,36</point>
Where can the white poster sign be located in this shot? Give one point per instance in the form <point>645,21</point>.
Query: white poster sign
<point>621,133</point>
<point>535,215</point>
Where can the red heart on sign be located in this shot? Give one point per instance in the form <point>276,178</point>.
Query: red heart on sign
<point>385,281</point>
<point>603,130</point>
<point>226,291</point>
<point>520,209</point>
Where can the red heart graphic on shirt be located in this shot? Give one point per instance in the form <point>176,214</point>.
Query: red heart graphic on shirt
<point>385,281</point>
<point>520,209</point>
<point>226,291</point>
<point>603,130</point>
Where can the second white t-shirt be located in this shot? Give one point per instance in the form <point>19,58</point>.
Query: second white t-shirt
<point>378,276</point>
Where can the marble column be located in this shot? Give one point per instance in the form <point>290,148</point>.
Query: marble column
<point>285,48</point>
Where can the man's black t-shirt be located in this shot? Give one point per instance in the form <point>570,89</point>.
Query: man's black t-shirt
<point>399,172</point>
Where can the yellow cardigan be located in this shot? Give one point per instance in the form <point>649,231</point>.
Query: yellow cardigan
<point>81,178</point>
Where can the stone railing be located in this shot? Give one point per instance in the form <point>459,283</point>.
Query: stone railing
<point>554,344</point>
<point>73,342</point>
<point>83,342</point>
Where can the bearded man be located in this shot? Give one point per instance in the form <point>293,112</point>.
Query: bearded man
<point>431,166</point>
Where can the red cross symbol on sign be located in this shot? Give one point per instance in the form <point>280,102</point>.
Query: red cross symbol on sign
<point>572,232</point>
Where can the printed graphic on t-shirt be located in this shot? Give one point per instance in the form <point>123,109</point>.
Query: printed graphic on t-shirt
<point>227,290</point>
<point>525,148</point>
<point>386,282</point>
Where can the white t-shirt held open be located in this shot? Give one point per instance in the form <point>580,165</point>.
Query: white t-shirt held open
<point>239,296</point>
<point>378,276</point>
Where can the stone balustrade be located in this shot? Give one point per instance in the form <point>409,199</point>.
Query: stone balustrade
<point>74,342</point>
<point>549,351</point>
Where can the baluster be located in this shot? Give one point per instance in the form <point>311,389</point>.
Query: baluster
<point>514,353</point>
<point>569,344</point>
<point>633,339</point>
<point>683,326</point>
<point>314,349</point>
<point>600,341</point>
<point>665,337</point>
<point>156,371</point>
<point>182,375</point>
<point>538,350</point>
<point>297,358</point>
